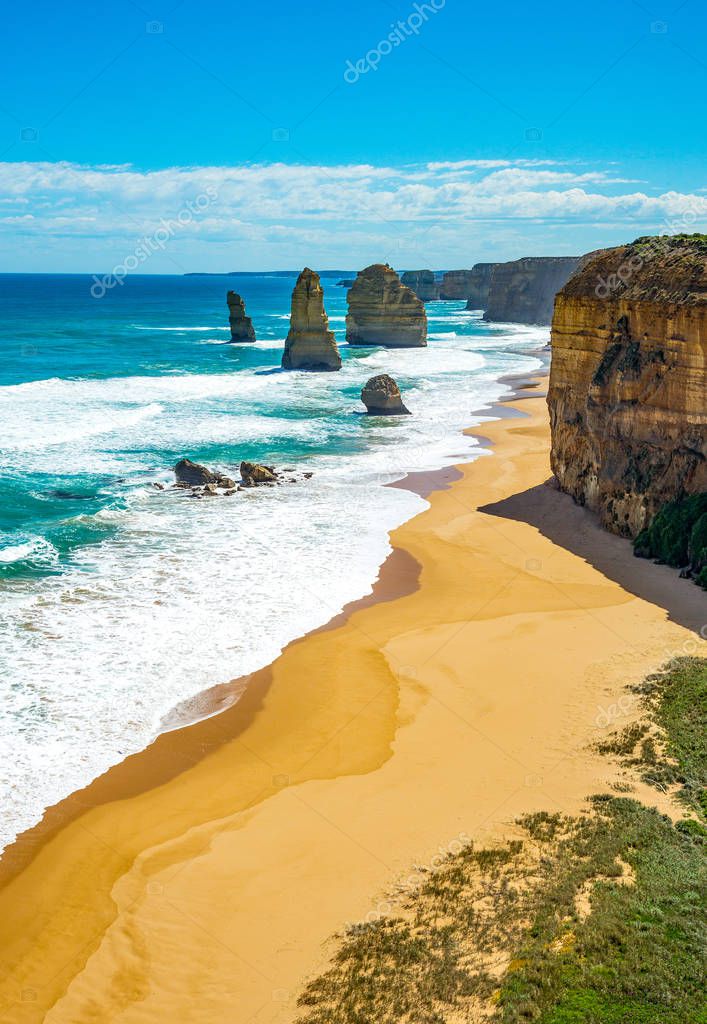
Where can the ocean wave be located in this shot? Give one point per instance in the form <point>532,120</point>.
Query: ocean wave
<point>35,549</point>
<point>54,427</point>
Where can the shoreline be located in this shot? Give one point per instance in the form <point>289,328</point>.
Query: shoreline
<point>451,707</point>
<point>394,579</point>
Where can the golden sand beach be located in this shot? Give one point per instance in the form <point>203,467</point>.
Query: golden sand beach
<point>200,880</point>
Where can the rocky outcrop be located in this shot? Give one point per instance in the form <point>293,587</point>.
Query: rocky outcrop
<point>523,291</point>
<point>423,284</point>
<point>384,311</point>
<point>192,474</point>
<point>253,474</point>
<point>241,325</point>
<point>628,380</point>
<point>381,396</point>
<point>310,345</point>
<point>479,285</point>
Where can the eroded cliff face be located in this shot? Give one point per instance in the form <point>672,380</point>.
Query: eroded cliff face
<point>422,283</point>
<point>383,311</point>
<point>628,380</point>
<point>456,284</point>
<point>479,285</point>
<point>523,291</point>
<point>310,345</point>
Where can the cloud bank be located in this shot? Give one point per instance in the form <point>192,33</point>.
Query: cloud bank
<point>263,216</point>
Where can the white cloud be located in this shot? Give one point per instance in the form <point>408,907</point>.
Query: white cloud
<point>436,209</point>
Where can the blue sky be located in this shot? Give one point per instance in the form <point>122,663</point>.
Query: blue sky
<point>336,134</point>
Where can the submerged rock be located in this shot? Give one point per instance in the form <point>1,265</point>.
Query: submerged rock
<point>241,325</point>
<point>384,311</point>
<point>381,396</point>
<point>310,345</point>
<point>253,474</point>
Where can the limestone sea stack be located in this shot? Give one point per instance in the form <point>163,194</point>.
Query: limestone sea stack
<point>384,311</point>
<point>310,345</point>
<point>422,283</point>
<point>478,285</point>
<point>241,325</point>
<point>381,396</point>
<point>628,381</point>
<point>523,291</point>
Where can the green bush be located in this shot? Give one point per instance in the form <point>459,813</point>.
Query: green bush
<point>698,544</point>
<point>677,534</point>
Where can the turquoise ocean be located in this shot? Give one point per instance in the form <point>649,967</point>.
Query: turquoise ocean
<point>119,601</point>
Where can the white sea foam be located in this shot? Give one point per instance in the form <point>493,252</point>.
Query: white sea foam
<point>147,327</point>
<point>35,549</point>
<point>183,594</point>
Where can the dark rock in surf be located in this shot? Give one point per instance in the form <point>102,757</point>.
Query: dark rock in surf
<point>253,474</point>
<point>381,396</point>
<point>191,474</point>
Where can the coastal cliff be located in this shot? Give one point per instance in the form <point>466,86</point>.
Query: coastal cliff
<point>479,284</point>
<point>310,345</point>
<point>456,284</point>
<point>422,283</point>
<point>523,291</point>
<point>628,381</point>
<point>383,311</point>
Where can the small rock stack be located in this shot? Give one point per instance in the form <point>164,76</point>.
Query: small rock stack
<point>241,325</point>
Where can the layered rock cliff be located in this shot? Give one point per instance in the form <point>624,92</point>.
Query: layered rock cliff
<point>628,381</point>
<point>456,284</point>
<point>479,285</point>
<point>384,311</point>
<point>523,291</point>
<point>310,345</point>
<point>423,284</point>
<point>241,325</point>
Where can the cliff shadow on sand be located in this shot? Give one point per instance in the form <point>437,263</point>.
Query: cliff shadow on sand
<point>556,516</point>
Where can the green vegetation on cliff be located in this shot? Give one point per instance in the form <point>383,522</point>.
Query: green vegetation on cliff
<point>677,536</point>
<point>599,919</point>
<point>695,241</point>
